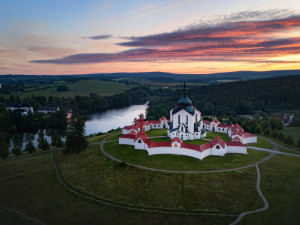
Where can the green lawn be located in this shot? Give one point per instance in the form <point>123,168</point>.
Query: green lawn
<point>213,135</point>
<point>280,185</point>
<point>94,174</point>
<point>31,185</point>
<point>294,131</point>
<point>83,88</point>
<point>100,138</point>
<point>157,132</point>
<point>262,143</point>
<point>127,153</point>
<point>115,137</point>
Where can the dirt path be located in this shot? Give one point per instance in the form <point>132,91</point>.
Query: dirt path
<point>23,214</point>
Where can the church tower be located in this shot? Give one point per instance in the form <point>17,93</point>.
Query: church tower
<point>185,120</point>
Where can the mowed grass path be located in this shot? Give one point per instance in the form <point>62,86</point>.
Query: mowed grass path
<point>93,173</point>
<point>84,88</point>
<point>31,186</point>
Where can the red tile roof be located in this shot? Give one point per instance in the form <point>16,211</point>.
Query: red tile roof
<point>176,139</point>
<point>129,135</point>
<point>205,146</point>
<point>234,143</point>
<point>191,146</point>
<point>163,118</point>
<point>224,125</point>
<point>152,144</point>
<point>154,121</point>
<point>216,121</point>
<point>236,139</point>
<point>246,135</point>
<point>219,141</point>
<point>206,122</point>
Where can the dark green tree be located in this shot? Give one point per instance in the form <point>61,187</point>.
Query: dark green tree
<point>289,140</point>
<point>16,151</point>
<point>75,141</point>
<point>280,136</point>
<point>267,131</point>
<point>258,129</point>
<point>30,148</point>
<point>56,141</point>
<point>3,145</point>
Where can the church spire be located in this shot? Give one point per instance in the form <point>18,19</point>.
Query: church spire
<point>184,89</point>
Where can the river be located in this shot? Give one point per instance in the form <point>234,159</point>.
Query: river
<point>95,123</point>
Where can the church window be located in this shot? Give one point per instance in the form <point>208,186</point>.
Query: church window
<point>139,141</point>
<point>178,118</point>
<point>217,147</point>
<point>182,129</point>
<point>187,119</point>
<point>196,117</point>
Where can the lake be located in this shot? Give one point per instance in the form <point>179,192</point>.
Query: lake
<point>95,123</point>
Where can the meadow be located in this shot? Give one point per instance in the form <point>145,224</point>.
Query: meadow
<point>82,88</point>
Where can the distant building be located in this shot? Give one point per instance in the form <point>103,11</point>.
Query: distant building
<point>48,109</point>
<point>23,108</point>
<point>69,114</point>
<point>284,117</point>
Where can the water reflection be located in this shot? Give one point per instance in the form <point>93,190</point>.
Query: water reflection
<point>98,122</point>
<point>113,119</point>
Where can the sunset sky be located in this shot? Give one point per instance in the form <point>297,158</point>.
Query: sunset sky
<point>178,36</point>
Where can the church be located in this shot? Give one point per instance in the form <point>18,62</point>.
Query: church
<point>186,124</point>
<point>185,120</point>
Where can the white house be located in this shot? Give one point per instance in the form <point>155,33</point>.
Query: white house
<point>47,109</point>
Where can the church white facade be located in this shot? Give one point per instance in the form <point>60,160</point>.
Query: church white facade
<point>185,120</point>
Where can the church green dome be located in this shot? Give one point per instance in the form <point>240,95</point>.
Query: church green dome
<point>184,103</point>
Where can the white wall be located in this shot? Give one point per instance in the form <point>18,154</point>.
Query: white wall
<point>126,141</point>
<point>249,140</point>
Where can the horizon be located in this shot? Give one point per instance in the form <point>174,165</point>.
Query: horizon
<point>180,37</point>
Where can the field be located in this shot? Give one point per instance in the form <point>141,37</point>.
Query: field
<point>294,131</point>
<point>82,87</point>
<point>262,143</point>
<point>31,185</point>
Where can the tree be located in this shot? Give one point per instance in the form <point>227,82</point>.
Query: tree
<point>276,123</point>
<point>44,145</point>
<point>16,151</point>
<point>3,145</point>
<point>289,140</point>
<point>30,148</point>
<point>280,136</point>
<point>274,133</point>
<point>267,131</point>
<point>258,129</point>
<point>75,141</point>
<point>56,141</point>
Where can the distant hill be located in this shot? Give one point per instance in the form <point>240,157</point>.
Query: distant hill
<point>158,76</point>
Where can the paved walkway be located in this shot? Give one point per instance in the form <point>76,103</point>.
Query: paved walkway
<point>274,151</point>
<point>266,204</point>
<point>276,144</point>
<point>23,214</point>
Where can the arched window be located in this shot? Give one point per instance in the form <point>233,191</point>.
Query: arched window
<point>182,129</point>
<point>196,117</point>
<point>217,147</point>
<point>187,119</point>
<point>178,118</point>
<point>139,141</point>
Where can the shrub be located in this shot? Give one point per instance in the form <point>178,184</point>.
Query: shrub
<point>16,151</point>
<point>30,148</point>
